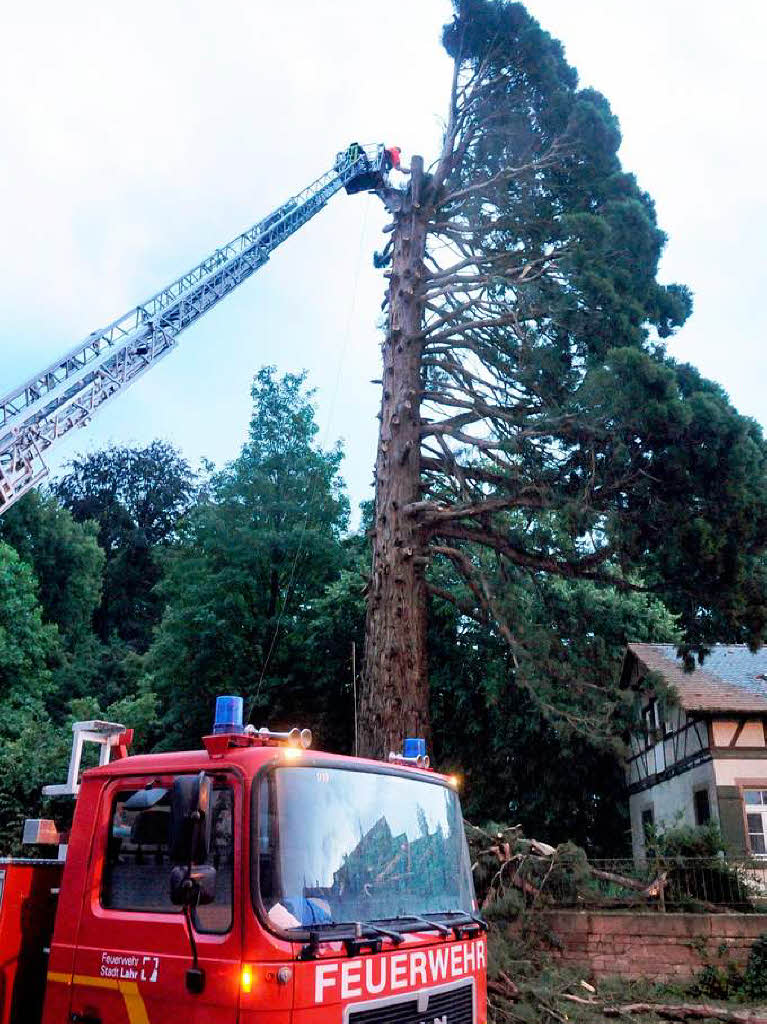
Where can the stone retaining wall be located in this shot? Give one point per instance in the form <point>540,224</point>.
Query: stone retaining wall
<point>656,946</point>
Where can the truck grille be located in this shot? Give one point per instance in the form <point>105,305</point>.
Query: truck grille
<point>446,1006</point>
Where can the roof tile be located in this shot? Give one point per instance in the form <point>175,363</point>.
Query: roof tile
<point>731,678</point>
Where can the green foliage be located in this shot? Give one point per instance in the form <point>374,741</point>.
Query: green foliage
<point>693,858</point>
<point>524,751</point>
<point>711,464</point>
<point>135,496</point>
<point>42,677</point>
<point>577,199</point>
<point>108,671</point>
<point>686,840</point>
<point>28,649</point>
<point>245,582</point>
<point>721,979</point>
<point>718,981</point>
<point>65,557</point>
<point>28,646</point>
<point>335,620</point>
<point>53,571</point>
<point>560,440</point>
<point>755,977</point>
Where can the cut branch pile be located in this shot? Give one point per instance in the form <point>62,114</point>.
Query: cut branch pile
<point>505,859</point>
<point>515,875</point>
<point>547,1005</point>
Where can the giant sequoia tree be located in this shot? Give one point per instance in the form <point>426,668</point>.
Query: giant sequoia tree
<point>532,423</point>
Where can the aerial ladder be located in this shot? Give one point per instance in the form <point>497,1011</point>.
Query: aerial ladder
<point>51,405</point>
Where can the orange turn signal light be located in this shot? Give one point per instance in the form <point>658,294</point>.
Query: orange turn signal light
<point>246,978</point>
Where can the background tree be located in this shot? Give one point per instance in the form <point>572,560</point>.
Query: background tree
<point>53,668</point>
<point>244,582</point>
<point>68,565</point>
<point>29,649</point>
<point>65,557</point>
<point>136,496</point>
<point>532,425</point>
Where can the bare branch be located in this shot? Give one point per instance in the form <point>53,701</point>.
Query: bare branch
<point>506,174</point>
<point>582,568</point>
<point>528,498</point>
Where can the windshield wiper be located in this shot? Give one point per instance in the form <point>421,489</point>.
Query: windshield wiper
<point>354,944</point>
<point>470,920</point>
<point>434,925</point>
<point>372,944</point>
<point>365,935</point>
<point>483,925</point>
<point>389,933</point>
<point>466,918</point>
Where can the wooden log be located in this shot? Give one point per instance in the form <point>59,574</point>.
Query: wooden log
<point>631,883</point>
<point>504,986</point>
<point>686,1011</point>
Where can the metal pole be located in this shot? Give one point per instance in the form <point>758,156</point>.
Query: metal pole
<point>354,689</point>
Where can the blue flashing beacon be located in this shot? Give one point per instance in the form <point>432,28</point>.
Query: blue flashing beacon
<point>228,715</point>
<point>414,747</point>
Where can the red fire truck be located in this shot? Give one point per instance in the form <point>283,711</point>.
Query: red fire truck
<point>253,880</point>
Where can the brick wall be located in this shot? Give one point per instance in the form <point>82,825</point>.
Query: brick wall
<point>657,946</point>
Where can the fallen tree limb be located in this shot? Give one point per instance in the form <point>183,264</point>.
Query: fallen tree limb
<point>672,1011</point>
<point>686,1011</point>
<point>578,999</point>
<point>505,987</point>
<point>630,883</point>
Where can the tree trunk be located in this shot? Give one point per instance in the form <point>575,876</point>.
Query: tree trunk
<point>394,698</point>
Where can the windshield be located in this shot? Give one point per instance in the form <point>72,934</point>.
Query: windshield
<point>336,846</point>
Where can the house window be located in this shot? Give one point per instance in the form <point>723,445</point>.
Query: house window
<point>648,819</point>
<point>755,802</point>
<point>702,806</point>
<point>653,721</point>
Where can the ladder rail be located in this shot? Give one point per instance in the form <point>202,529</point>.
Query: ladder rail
<point>49,406</point>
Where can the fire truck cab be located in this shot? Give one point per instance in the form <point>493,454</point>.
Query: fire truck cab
<point>257,880</point>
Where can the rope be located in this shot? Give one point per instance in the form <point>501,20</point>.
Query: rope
<point>334,396</point>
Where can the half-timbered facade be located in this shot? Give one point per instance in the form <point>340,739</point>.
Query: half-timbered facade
<point>699,749</point>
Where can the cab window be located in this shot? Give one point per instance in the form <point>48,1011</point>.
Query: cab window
<point>137,864</point>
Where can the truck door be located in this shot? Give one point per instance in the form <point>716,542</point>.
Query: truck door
<point>133,950</point>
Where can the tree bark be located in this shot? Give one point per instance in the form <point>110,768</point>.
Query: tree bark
<point>394,697</point>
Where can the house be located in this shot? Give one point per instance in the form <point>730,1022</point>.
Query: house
<point>699,754</point>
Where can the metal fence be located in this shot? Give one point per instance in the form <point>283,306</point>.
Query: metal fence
<point>666,884</point>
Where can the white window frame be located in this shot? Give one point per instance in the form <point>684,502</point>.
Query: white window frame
<point>752,809</point>
<point>654,726</point>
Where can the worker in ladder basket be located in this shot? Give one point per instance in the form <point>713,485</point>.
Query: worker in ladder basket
<point>393,160</point>
<point>356,152</point>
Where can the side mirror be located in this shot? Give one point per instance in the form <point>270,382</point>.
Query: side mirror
<point>193,887</point>
<point>192,881</point>
<point>190,820</point>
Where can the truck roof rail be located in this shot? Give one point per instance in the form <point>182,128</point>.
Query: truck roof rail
<point>106,734</point>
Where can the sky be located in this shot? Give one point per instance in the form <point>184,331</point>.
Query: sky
<point>138,137</point>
